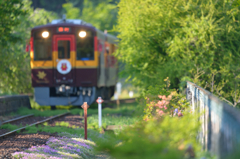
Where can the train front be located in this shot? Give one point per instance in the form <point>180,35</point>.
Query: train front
<point>64,63</point>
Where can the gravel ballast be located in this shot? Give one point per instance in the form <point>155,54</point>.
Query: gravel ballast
<point>22,141</point>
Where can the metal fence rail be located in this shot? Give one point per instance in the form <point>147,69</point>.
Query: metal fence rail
<point>220,122</point>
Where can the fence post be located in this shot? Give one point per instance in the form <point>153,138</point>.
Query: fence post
<point>85,106</point>
<point>99,101</point>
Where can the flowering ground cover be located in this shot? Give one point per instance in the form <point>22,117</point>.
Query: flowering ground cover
<point>67,146</point>
<point>74,146</point>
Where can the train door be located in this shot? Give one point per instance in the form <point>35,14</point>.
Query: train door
<point>64,59</point>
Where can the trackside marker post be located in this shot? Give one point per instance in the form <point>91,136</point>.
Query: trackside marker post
<point>99,101</point>
<point>85,107</point>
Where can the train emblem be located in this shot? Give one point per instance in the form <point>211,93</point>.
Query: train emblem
<point>41,74</point>
<point>64,67</point>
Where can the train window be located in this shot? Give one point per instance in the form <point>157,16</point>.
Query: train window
<point>85,47</point>
<point>63,49</point>
<point>42,49</point>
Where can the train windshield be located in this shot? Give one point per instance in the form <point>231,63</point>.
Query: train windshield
<point>42,47</point>
<point>85,47</point>
<point>63,49</point>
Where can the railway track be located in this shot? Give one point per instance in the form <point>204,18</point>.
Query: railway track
<point>16,119</point>
<point>11,141</point>
<point>24,127</point>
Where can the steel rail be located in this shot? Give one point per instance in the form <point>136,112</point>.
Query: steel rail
<point>18,118</point>
<point>37,123</point>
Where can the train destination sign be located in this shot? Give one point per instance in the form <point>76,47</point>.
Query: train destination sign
<point>64,29</point>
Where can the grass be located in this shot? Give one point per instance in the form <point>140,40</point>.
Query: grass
<point>36,106</point>
<point>125,94</point>
<point>9,126</point>
<point>47,113</point>
<point>111,120</point>
<point>123,109</point>
<point>125,114</point>
<point>93,135</point>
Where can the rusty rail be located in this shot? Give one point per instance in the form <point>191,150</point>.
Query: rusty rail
<point>37,123</point>
<point>15,119</point>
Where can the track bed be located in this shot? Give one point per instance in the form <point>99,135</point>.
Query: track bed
<point>23,122</point>
<point>22,141</point>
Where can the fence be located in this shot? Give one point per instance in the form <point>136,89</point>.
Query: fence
<point>10,104</point>
<point>220,122</point>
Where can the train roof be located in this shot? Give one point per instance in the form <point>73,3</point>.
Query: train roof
<point>69,22</point>
<point>78,22</point>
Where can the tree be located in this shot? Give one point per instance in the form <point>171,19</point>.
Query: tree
<point>102,16</point>
<point>9,13</point>
<point>15,72</point>
<point>179,39</point>
<point>56,5</point>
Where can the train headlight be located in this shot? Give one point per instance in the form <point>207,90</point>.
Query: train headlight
<point>45,34</point>
<point>82,34</point>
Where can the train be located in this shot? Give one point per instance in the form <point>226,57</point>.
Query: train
<point>72,62</point>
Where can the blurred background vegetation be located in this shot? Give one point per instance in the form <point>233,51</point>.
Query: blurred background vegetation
<point>15,74</point>
<point>177,40</point>
<point>194,43</point>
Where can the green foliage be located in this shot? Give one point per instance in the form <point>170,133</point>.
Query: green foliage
<point>178,39</point>
<point>9,126</point>
<point>102,16</point>
<point>162,132</point>
<point>35,105</point>
<point>61,130</point>
<point>10,11</point>
<point>46,113</point>
<point>54,6</point>
<point>65,124</point>
<point>15,62</point>
<point>31,129</point>
<point>56,129</point>
<point>125,109</point>
<point>72,12</point>
<point>111,120</point>
<point>167,138</point>
<point>165,103</point>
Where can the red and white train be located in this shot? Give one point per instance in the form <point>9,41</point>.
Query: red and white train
<point>72,62</point>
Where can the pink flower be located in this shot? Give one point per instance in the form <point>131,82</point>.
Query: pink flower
<point>180,114</point>
<point>152,103</point>
<point>164,102</point>
<point>164,97</point>
<point>170,97</point>
<point>159,104</point>
<point>160,112</point>
<point>165,107</point>
<point>159,96</point>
